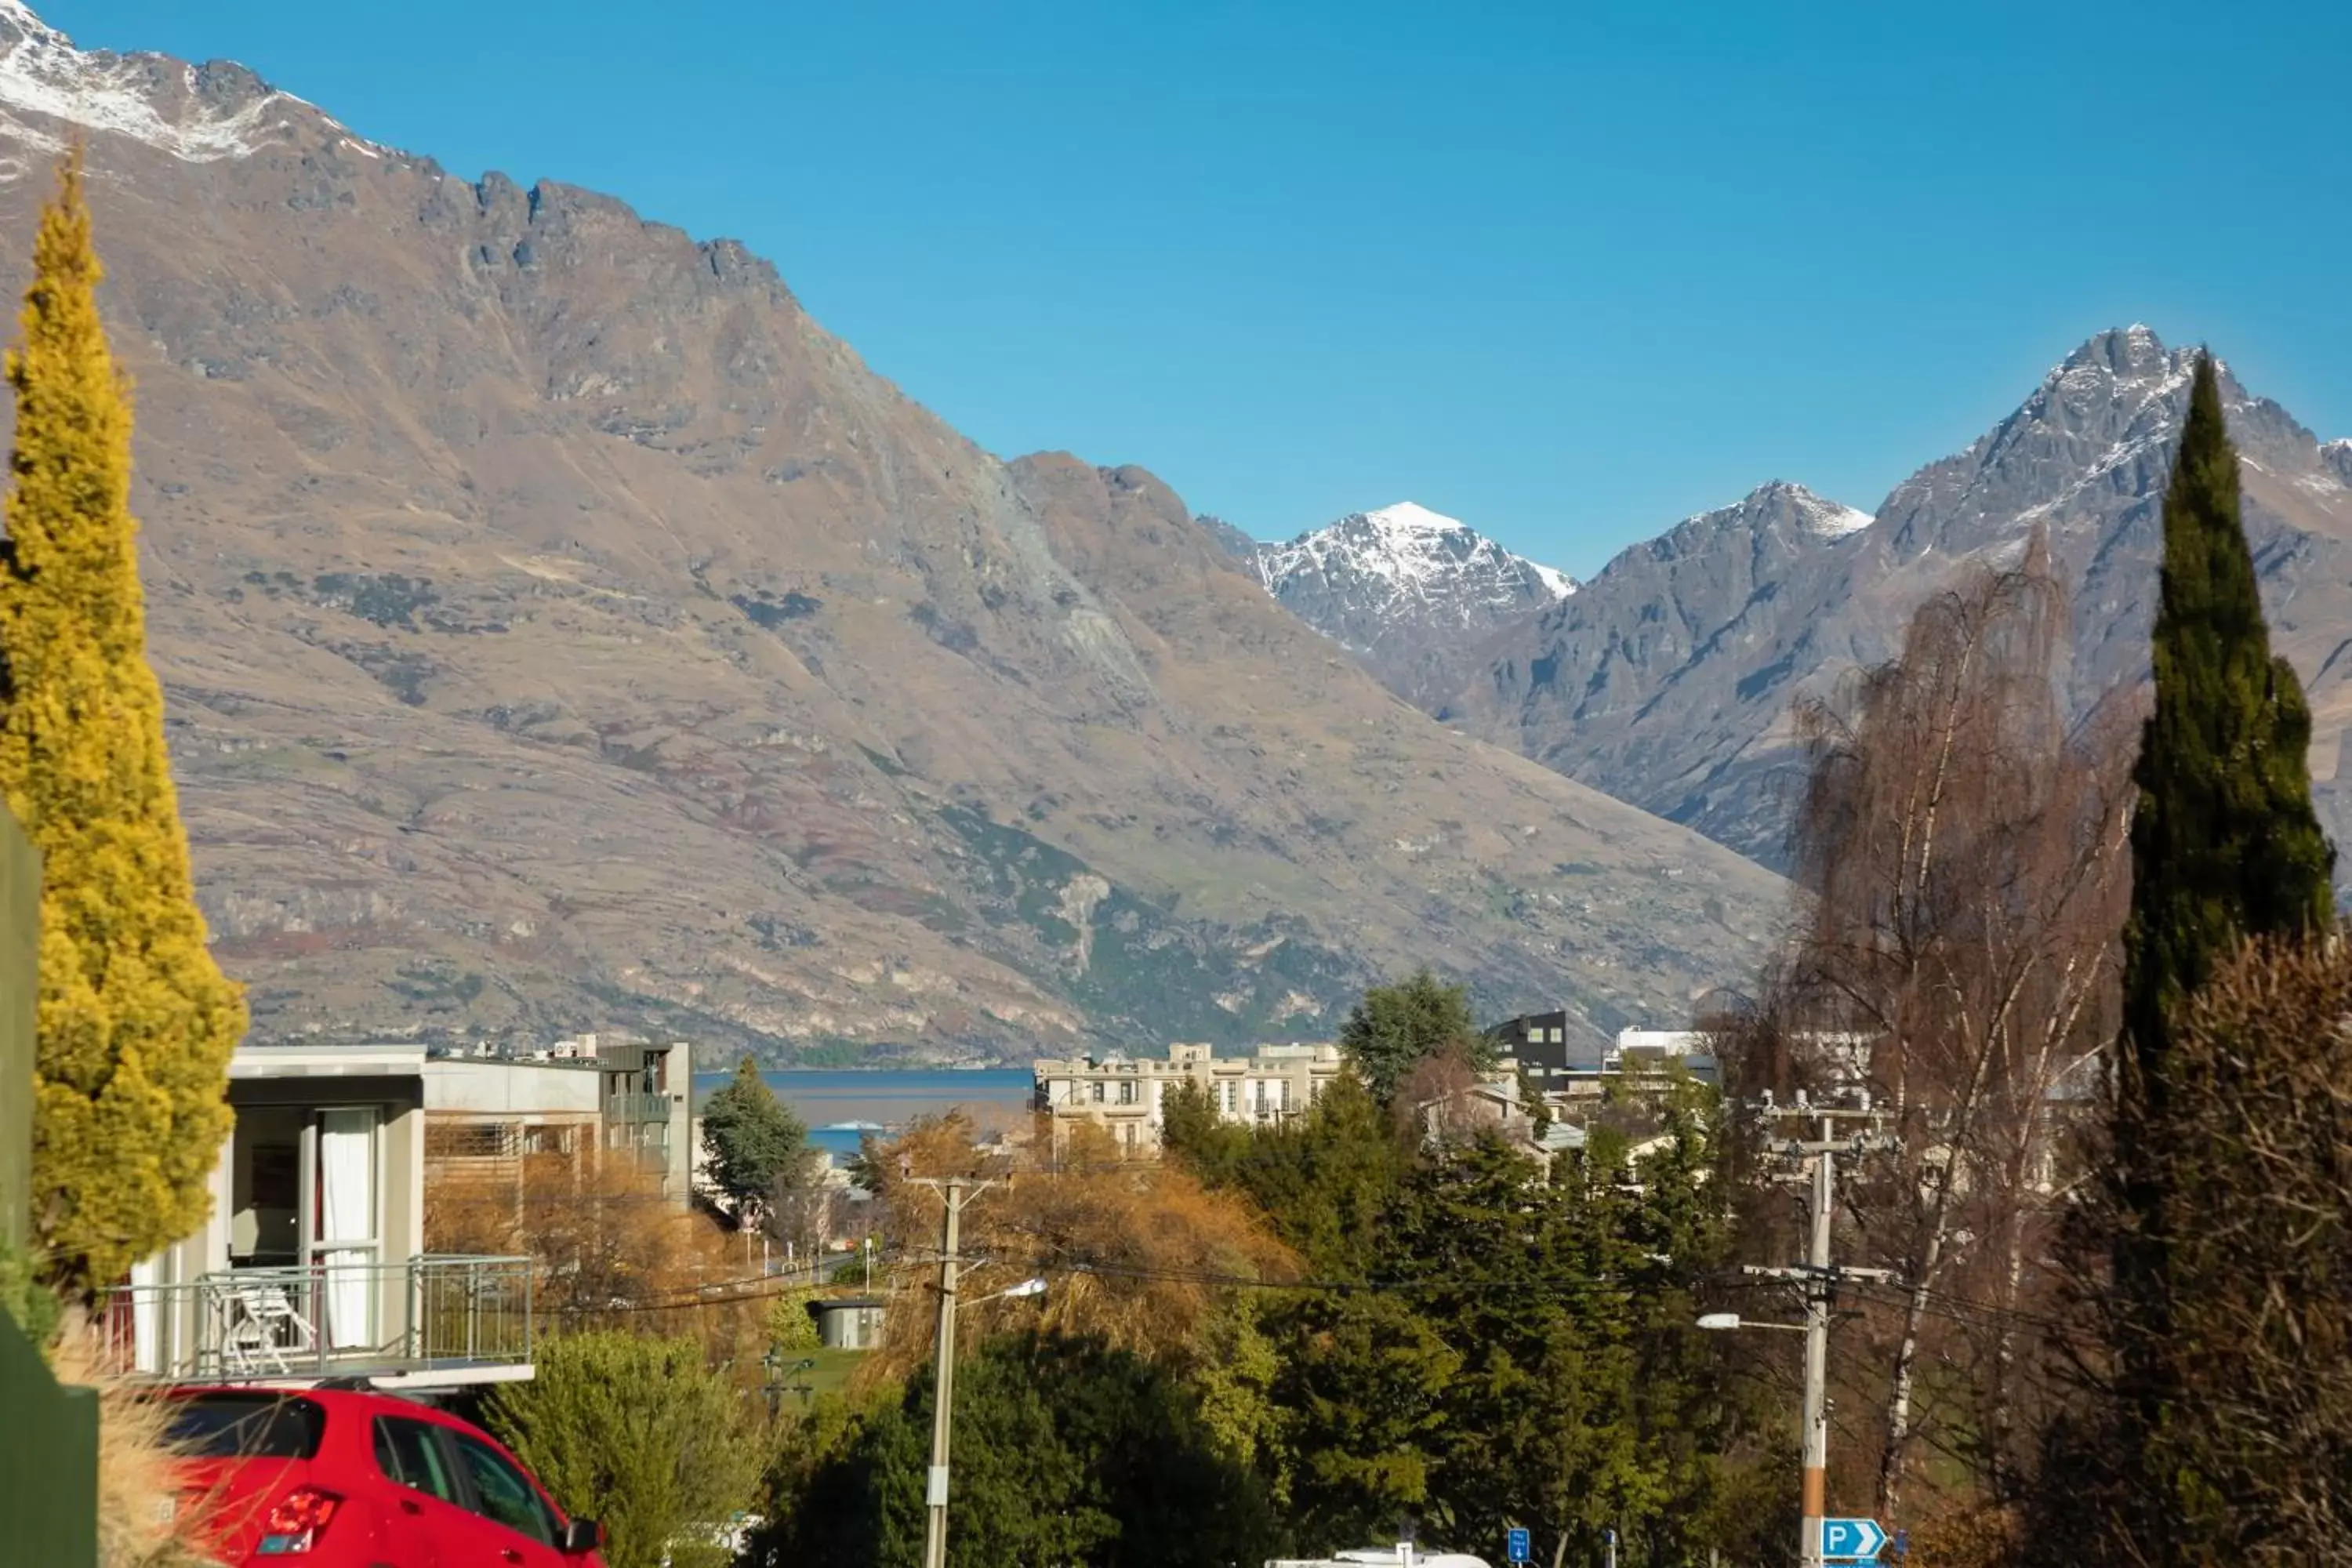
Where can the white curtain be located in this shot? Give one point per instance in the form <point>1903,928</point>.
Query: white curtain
<point>145,1349</point>
<point>347,1225</point>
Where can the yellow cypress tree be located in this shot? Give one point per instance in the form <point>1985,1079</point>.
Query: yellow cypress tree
<point>136,1022</point>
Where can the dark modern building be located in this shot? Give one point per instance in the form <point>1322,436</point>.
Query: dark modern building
<point>1557,1063</point>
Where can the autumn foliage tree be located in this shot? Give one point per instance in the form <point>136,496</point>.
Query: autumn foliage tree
<point>608,1249</point>
<point>136,1023</point>
<point>1139,1254</point>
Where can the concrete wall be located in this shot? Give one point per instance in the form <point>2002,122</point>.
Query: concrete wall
<point>678,1081</point>
<point>458,1083</point>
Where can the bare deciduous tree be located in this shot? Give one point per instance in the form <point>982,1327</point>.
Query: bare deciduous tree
<point>2252,1461</point>
<point>1961,850</point>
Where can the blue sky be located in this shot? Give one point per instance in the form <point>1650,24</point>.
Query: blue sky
<point>1569,271</point>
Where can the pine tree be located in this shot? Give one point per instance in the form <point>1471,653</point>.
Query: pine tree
<point>135,1023</point>
<point>755,1142</point>
<point>2225,848</point>
<point>1396,1027</point>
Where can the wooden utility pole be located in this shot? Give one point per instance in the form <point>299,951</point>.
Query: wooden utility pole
<point>956,1191</point>
<point>1815,1163</point>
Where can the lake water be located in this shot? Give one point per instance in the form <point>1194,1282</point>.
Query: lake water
<point>840,1105</point>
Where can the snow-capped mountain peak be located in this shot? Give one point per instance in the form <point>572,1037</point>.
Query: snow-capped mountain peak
<point>1410,517</point>
<point>2104,417</point>
<point>1412,549</point>
<point>49,90</point>
<point>1406,589</point>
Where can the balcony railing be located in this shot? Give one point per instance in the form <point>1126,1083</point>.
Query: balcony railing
<point>636,1107</point>
<point>458,1318</point>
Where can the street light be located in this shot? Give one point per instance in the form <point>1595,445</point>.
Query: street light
<point>1026,1288</point>
<point>1734,1321</point>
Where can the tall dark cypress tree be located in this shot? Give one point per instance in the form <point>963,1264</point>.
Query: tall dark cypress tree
<point>2225,846</point>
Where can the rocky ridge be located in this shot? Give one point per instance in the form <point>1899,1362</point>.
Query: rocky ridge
<point>1667,681</point>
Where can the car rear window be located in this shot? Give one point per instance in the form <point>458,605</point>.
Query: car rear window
<point>246,1426</point>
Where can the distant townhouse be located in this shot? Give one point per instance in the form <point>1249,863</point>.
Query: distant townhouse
<point>579,1102</point>
<point>1127,1095</point>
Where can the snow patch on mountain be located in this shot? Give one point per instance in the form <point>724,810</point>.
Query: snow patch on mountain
<point>1560,583</point>
<point>201,114</point>
<point>1827,518</point>
<point>1775,503</point>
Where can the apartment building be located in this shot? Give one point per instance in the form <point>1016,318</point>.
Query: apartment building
<point>581,1103</point>
<point>311,1262</point>
<point>1126,1095</point>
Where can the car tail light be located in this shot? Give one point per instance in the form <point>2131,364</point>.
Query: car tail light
<point>300,1519</point>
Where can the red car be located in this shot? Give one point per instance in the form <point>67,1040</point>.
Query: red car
<point>345,1479</point>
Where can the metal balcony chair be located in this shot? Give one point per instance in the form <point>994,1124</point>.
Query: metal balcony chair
<point>261,1326</point>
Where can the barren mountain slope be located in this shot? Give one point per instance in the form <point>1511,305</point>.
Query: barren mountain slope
<point>562,630</point>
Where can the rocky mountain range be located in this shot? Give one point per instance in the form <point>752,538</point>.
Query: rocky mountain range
<point>1414,596</point>
<point>1667,680</point>
<point>560,629</point>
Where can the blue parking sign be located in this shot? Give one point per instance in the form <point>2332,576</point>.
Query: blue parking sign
<point>1851,1539</point>
<point>1516,1541</point>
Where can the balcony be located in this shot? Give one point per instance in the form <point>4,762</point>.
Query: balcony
<point>636,1109</point>
<point>431,1321</point>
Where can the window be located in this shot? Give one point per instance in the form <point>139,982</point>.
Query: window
<point>1127,1092</point>
<point>246,1426</point>
<point>1098,1095</point>
<point>469,1140</point>
<point>1229,1097</point>
<point>405,1452</point>
<point>549,1138</point>
<point>502,1494</point>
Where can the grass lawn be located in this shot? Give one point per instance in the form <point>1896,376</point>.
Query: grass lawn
<point>832,1370</point>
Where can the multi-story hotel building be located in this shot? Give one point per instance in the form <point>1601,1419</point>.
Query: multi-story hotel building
<point>1125,1095</point>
